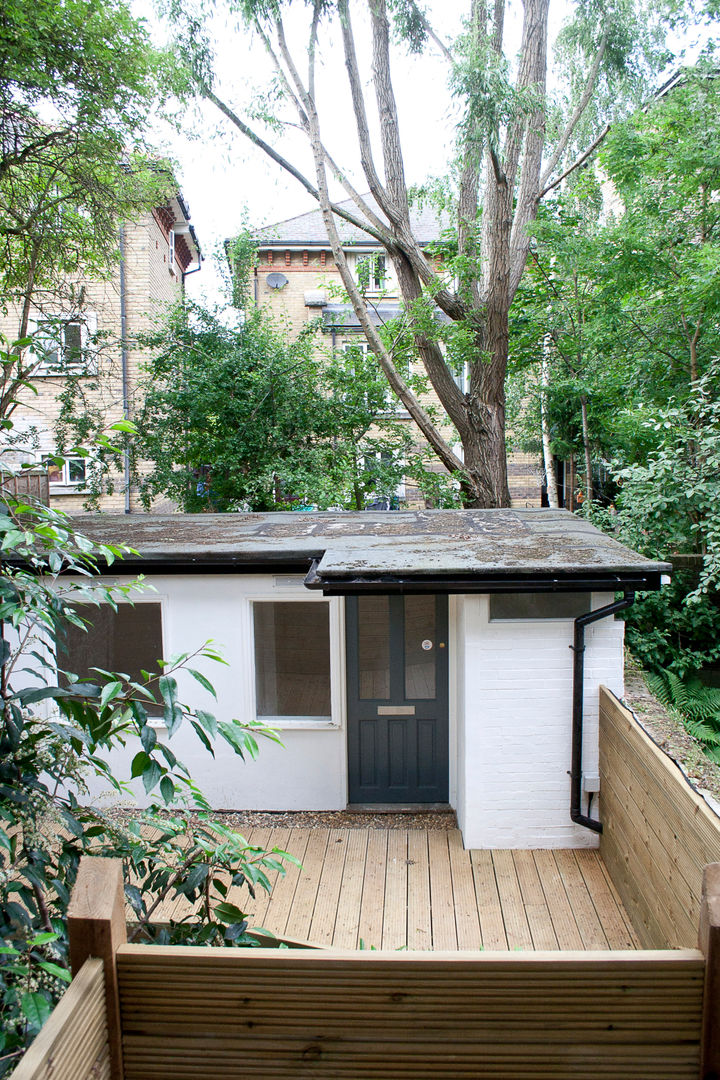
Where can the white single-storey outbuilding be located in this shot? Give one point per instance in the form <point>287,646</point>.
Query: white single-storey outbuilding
<point>433,657</point>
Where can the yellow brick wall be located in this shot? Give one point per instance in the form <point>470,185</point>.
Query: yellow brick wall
<point>150,289</point>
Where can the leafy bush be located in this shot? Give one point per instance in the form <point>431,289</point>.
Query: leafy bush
<point>55,733</point>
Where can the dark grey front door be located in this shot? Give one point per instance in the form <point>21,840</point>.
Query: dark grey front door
<point>397,676</point>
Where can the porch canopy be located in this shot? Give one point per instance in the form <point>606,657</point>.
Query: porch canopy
<point>341,553</point>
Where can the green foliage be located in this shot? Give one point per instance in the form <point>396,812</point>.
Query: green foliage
<point>78,82</point>
<point>244,417</point>
<point>671,501</point>
<point>697,704</point>
<point>56,734</point>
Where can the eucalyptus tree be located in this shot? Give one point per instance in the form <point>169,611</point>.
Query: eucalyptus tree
<point>515,143</point>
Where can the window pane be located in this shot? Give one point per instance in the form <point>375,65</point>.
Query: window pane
<point>539,605</point>
<point>72,353</point>
<point>374,647</point>
<point>420,647</point>
<point>76,470</point>
<point>126,640</point>
<point>292,659</point>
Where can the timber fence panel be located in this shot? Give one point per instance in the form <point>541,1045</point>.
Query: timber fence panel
<point>190,1013</point>
<point>658,833</point>
<point>73,1044</point>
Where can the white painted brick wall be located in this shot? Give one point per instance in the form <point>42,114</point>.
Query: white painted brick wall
<point>514,720</point>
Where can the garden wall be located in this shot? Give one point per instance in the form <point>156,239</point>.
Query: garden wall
<point>658,832</point>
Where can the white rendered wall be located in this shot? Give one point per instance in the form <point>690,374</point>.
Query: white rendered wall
<point>310,770</point>
<point>514,725</point>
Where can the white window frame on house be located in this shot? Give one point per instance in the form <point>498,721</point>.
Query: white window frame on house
<point>50,339</point>
<point>379,278</point>
<point>291,590</point>
<point>171,252</point>
<point>65,477</point>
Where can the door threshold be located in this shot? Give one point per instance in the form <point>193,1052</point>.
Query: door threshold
<point>400,808</point>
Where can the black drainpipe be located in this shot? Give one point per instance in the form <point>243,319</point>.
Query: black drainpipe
<point>578,648</point>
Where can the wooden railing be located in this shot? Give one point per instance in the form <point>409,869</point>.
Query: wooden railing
<point>658,833</point>
<point>280,1014</point>
<point>73,1044</point>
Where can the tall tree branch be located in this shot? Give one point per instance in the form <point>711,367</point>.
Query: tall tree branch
<point>576,163</point>
<point>340,211</point>
<point>577,112</point>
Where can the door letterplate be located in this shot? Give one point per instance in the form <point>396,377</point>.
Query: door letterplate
<point>396,710</point>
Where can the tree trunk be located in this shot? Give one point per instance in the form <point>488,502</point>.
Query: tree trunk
<point>550,481</point>
<point>586,449</point>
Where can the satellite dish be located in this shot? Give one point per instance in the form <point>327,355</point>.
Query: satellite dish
<point>276,281</point>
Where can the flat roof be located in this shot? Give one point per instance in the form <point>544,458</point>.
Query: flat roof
<point>384,551</point>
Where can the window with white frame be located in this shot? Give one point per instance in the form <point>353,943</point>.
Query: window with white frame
<point>63,346</point>
<point>71,472</point>
<point>171,251</point>
<point>292,660</point>
<point>371,272</point>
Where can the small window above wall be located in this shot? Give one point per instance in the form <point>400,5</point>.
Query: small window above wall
<point>72,473</point>
<point>292,660</point>
<point>171,252</point>
<point>129,640</point>
<point>371,272</point>
<point>63,346</point>
<point>551,605</point>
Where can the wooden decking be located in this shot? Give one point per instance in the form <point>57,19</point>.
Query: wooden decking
<point>419,889</point>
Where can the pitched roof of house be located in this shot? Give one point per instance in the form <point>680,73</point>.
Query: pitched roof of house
<point>425,222</point>
<point>430,550</point>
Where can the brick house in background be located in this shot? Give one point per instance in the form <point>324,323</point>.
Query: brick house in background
<point>296,277</point>
<point>91,336</point>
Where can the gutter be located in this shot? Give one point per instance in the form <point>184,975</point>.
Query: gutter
<point>578,648</point>
<point>124,364</point>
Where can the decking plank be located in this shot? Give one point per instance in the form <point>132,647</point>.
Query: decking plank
<point>591,931</point>
<point>282,896</point>
<point>418,916</point>
<point>467,922</point>
<point>492,924</point>
<point>442,910</point>
<point>347,922</point>
<point>511,900</point>
<point>563,920</point>
<point>278,839</point>
<point>536,909</point>
<point>373,894</point>
<point>322,926</point>
<point>606,907</point>
<point>394,934</point>
<point>303,906</point>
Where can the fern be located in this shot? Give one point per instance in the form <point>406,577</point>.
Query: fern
<point>698,705</point>
<point>703,732</point>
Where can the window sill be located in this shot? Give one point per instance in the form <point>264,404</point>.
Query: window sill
<point>301,723</point>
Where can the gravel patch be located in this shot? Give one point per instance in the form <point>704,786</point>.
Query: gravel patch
<point>668,731</point>
<point>244,820</point>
